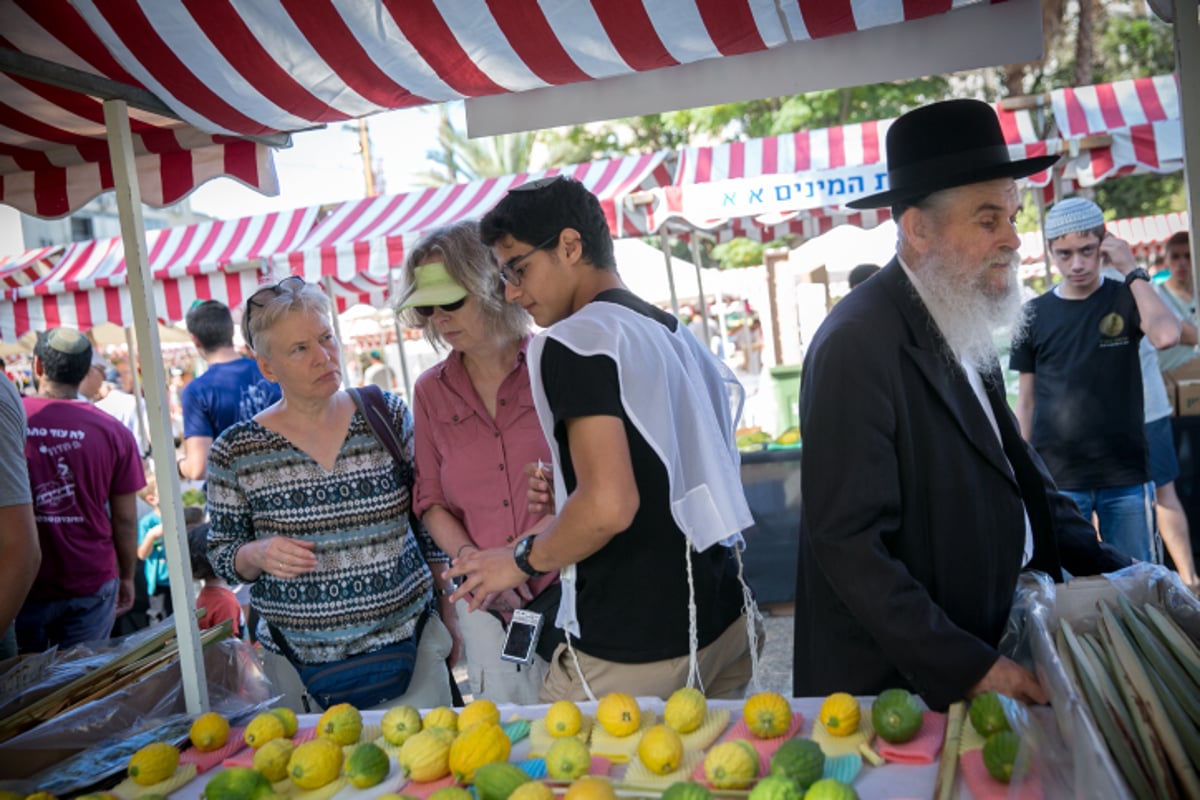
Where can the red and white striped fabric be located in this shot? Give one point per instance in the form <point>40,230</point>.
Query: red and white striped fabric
<point>1146,235</point>
<point>250,68</point>
<point>372,235</point>
<point>27,267</point>
<point>1106,107</point>
<point>1154,147</point>
<point>218,260</point>
<point>806,158</point>
<point>370,290</point>
<point>54,154</point>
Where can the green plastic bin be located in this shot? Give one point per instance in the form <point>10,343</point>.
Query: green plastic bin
<point>786,378</point>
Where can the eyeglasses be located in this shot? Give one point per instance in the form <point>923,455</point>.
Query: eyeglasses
<point>427,311</point>
<point>291,283</point>
<point>509,272</point>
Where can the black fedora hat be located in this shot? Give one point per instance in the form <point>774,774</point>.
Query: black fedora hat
<point>943,145</point>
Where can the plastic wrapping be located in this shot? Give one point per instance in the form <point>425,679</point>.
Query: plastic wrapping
<point>1071,757</point>
<point>49,756</point>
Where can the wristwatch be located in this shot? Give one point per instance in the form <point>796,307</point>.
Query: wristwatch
<point>1137,274</point>
<point>521,556</point>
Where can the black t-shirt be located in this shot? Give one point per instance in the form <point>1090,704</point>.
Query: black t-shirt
<point>1088,423</point>
<point>632,595</point>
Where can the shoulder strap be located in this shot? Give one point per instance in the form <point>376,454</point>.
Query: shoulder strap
<point>373,407</point>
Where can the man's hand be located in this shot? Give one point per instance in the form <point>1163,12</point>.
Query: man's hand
<point>125,595</point>
<point>541,487</point>
<point>1010,678</point>
<point>485,573</point>
<point>1117,253</point>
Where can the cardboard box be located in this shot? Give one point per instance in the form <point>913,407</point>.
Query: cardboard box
<point>1187,400</point>
<point>1172,393</point>
<point>1188,372</point>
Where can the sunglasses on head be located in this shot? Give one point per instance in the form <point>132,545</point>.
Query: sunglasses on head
<point>259,299</point>
<point>427,311</point>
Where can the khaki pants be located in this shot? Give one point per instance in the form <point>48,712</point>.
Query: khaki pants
<point>430,685</point>
<point>491,676</point>
<point>725,669</point>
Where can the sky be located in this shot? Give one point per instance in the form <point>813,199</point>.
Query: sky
<point>324,165</point>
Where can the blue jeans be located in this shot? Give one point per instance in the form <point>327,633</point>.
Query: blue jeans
<point>73,620</point>
<point>1126,517</point>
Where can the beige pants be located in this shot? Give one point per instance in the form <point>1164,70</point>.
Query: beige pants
<point>430,685</point>
<point>491,676</point>
<point>725,669</point>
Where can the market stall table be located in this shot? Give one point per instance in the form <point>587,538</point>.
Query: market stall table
<point>889,781</point>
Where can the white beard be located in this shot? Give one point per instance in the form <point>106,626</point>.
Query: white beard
<point>968,311</point>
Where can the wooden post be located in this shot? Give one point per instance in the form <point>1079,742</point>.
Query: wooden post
<point>337,328</point>
<point>1187,67</point>
<point>664,240</point>
<point>695,245</point>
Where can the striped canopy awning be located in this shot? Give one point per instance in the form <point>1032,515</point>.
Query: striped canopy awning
<point>217,260</point>
<point>27,267</point>
<point>798,183</point>
<point>54,154</point>
<point>372,235</point>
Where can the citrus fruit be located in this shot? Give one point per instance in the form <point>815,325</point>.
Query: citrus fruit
<point>897,716</point>
<point>590,788</point>
<point>263,729</point>
<point>731,765</point>
<point>482,743</point>
<point>288,718</point>
<point>452,793</point>
<point>987,714</point>
<point>767,714</point>
<point>481,710</point>
<point>567,759</point>
<point>153,764</point>
<point>533,790</point>
<point>1000,754</point>
<point>209,732</point>
<point>840,714</point>
<point>367,765</point>
<point>687,790</point>
<point>776,787</point>
<point>618,713</point>
<point>399,723</point>
<point>802,760</point>
<point>272,759</point>
<point>237,783</point>
<point>315,763</point>
<point>563,719</point>
<point>830,789</point>
<point>441,717</point>
<point>660,749</point>
<point>685,709</point>
<point>496,781</point>
<point>426,755</point>
<point>341,723</point>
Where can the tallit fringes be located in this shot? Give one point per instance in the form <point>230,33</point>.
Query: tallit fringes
<point>753,618</point>
<point>578,669</point>
<point>694,679</point>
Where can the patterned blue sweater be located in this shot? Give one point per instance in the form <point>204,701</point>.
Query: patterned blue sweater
<point>372,580</point>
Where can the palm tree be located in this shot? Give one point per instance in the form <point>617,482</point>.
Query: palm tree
<point>460,158</point>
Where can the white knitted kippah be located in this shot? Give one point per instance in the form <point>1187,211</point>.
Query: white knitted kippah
<point>1072,215</point>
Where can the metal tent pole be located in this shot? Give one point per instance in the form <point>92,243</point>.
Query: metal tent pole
<point>179,565</point>
<point>695,245</point>
<point>664,239</point>
<point>139,405</point>
<point>337,328</point>
<point>1187,71</point>
<point>403,360</point>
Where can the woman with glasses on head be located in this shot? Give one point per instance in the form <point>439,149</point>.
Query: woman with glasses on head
<point>476,430</point>
<point>311,509</point>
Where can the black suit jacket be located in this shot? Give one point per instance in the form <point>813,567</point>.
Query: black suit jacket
<point>912,527</point>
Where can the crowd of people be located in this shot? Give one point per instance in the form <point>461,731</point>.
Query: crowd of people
<point>582,484</point>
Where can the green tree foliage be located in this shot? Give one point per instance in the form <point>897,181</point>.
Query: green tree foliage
<point>459,158</point>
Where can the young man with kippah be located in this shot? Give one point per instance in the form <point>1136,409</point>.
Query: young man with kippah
<point>1080,399</point>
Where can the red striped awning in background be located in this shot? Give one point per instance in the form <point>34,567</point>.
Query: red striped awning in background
<point>371,235</point>
<point>54,154</point>
<point>27,267</point>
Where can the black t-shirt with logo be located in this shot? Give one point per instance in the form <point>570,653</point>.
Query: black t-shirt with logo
<point>1088,423</point>
<point>632,594</point>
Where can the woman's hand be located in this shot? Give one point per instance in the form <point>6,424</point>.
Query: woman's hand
<point>509,599</point>
<point>284,557</point>
<point>541,487</point>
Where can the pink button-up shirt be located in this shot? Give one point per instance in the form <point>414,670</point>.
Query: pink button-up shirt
<point>472,465</point>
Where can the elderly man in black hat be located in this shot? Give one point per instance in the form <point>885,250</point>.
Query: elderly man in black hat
<point>922,503</point>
